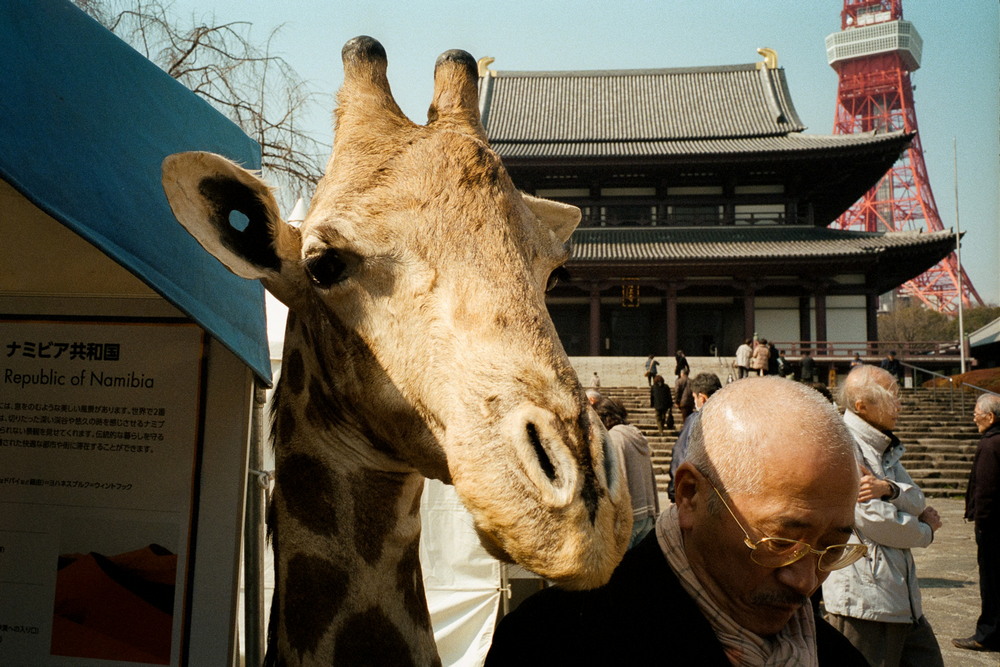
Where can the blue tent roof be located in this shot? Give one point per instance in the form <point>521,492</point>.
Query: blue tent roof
<point>86,123</point>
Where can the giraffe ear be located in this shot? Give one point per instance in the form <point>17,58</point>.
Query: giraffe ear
<point>561,218</point>
<point>232,214</point>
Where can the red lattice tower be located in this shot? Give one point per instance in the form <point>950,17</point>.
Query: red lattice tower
<point>873,54</point>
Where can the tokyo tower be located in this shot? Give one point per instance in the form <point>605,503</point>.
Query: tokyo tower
<point>873,54</point>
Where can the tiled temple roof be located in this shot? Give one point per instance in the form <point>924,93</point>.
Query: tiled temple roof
<point>727,110</point>
<point>889,259</point>
<point>604,244</point>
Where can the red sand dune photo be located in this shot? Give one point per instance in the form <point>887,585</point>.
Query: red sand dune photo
<point>115,607</point>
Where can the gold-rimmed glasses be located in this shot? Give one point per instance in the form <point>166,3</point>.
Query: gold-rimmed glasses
<point>781,551</point>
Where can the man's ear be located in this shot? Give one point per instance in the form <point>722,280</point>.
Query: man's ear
<point>687,484</point>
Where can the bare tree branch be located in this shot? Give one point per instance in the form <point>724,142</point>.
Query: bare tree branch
<point>219,62</point>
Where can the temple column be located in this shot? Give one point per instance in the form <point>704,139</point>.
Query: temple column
<point>805,325</point>
<point>595,320</point>
<point>871,321</point>
<point>671,303</point>
<point>820,298</point>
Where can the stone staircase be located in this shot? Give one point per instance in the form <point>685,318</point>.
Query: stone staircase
<point>939,436</point>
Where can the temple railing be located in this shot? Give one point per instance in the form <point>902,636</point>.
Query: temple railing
<point>610,219</point>
<point>871,351</point>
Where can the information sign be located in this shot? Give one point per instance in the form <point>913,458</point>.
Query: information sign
<point>99,455</point>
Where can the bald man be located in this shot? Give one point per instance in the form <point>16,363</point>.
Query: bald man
<point>876,601</point>
<point>764,511</point>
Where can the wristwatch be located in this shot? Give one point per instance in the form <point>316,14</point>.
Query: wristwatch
<point>893,491</point>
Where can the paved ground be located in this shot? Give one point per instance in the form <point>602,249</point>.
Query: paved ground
<point>949,584</point>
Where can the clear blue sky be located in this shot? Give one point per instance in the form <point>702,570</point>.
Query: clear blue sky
<point>957,87</point>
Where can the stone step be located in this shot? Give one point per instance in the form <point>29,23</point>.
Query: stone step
<point>957,454</point>
<point>944,486</point>
<point>955,447</point>
<point>938,432</point>
<point>926,470</point>
<point>934,430</point>
<point>910,459</point>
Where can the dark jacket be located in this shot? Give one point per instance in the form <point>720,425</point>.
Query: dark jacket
<point>641,617</point>
<point>681,364</point>
<point>982,497</point>
<point>893,366</point>
<point>685,399</point>
<point>659,396</point>
<point>808,369</point>
<point>772,360</point>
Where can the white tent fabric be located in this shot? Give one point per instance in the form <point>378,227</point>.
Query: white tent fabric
<point>462,581</point>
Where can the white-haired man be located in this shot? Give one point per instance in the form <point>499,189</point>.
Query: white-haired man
<point>764,511</point>
<point>876,601</point>
<point>982,507</point>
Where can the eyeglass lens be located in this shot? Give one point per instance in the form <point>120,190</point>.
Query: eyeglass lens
<point>779,552</point>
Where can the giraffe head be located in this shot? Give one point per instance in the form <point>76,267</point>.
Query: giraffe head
<point>416,294</point>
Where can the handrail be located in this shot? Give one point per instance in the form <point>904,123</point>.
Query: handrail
<point>980,389</point>
<point>951,384</point>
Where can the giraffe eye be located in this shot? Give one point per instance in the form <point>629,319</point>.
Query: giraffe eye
<point>327,268</point>
<point>559,274</point>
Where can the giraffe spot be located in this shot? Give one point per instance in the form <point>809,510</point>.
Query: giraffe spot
<point>375,494</point>
<point>369,638</point>
<point>293,372</point>
<point>410,581</point>
<point>309,492</point>
<point>284,423</point>
<point>314,590</point>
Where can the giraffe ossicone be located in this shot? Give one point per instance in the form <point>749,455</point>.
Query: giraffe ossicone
<point>417,345</point>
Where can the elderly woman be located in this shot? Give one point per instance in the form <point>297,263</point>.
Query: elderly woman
<point>634,448</point>
<point>761,354</point>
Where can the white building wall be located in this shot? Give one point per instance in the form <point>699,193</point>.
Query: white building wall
<point>845,318</point>
<point>777,318</point>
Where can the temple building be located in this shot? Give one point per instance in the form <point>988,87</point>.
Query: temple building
<point>705,208</point>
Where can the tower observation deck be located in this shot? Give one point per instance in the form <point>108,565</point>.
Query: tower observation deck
<point>874,54</point>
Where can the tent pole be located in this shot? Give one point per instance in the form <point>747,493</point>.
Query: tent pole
<point>253,536</point>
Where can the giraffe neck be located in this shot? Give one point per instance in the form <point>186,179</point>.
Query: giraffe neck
<point>344,523</point>
<point>348,582</point>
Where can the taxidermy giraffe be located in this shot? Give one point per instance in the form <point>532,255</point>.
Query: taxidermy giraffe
<point>417,344</point>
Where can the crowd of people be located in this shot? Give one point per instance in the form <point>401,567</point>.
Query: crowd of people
<point>789,534</point>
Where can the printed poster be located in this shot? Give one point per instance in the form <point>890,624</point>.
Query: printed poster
<point>98,461</point>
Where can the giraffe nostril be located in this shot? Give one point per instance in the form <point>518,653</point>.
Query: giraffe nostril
<point>543,458</point>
